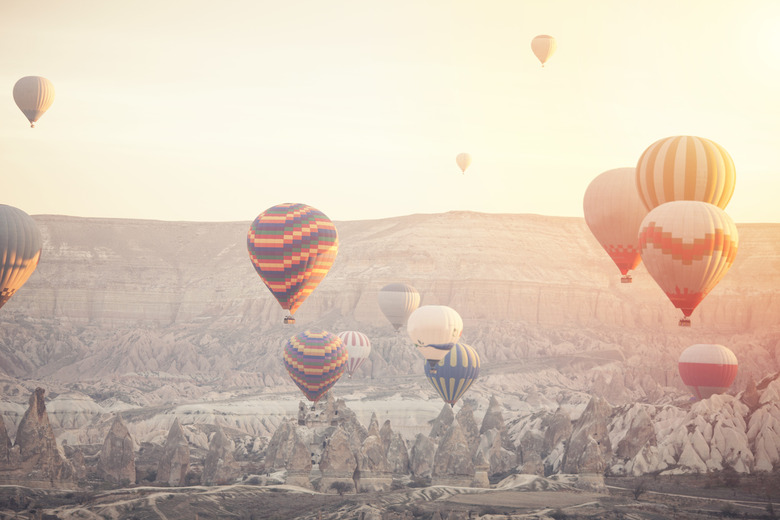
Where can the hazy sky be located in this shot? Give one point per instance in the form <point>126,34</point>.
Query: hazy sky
<point>214,111</point>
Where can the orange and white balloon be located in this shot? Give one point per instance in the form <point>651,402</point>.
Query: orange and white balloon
<point>614,212</point>
<point>687,247</point>
<point>707,369</point>
<point>685,168</point>
<point>463,161</point>
<point>543,47</point>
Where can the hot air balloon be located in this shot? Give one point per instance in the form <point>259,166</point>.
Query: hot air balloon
<point>707,369</point>
<point>613,212</point>
<point>685,168</point>
<point>292,247</point>
<point>543,46</point>
<point>20,250</point>
<point>434,329</point>
<point>358,347</point>
<point>454,373</point>
<point>315,360</point>
<point>687,247</point>
<point>33,95</point>
<point>398,301</point>
<point>464,161</point>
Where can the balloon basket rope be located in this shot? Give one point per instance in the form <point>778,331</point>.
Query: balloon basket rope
<point>685,322</point>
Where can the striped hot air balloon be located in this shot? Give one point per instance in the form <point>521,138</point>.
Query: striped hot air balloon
<point>434,330</point>
<point>33,95</point>
<point>292,247</point>
<point>687,247</point>
<point>455,373</point>
<point>613,212</point>
<point>707,369</point>
<point>543,47</point>
<point>315,360</point>
<point>20,250</point>
<point>685,168</point>
<point>398,301</point>
<point>358,347</point>
<point>464,161</point>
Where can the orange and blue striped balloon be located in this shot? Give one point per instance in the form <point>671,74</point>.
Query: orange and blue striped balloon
<point>315,360</point>
<point>455,373</point>
<point>292,247</point>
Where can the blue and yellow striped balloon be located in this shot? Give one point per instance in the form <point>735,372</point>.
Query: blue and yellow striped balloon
<point>315,360</point>
<point>455,373</point>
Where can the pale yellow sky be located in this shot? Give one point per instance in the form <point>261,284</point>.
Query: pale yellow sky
<point>220,110</point>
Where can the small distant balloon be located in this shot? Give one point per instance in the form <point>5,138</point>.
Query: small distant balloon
<point>464,161</point>
<point>358,347</point>
<point>33,95</point>
<point>397,301</point>
<point>20,250</point>
<point>543,47</point>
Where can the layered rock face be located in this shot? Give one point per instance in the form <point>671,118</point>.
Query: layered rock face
<point>116,462</point>
<point>220,466</point>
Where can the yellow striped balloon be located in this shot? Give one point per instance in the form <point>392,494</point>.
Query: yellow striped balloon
<point>20,250</point>
<point>315,360</point>
<point>455,373</point>
<point>33,95</point>
<point>685,168</point>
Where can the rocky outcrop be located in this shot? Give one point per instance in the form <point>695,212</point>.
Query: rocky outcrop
<point>338,462</point>
<point>220,466</point>
<point>421,457</point>
<point>453,463</point>
<point>116,462</point>
<point>5,445</point>
<point>465,418</point>
<point>35,456</point>
<point>442,423</point>
<point>398,456</point>
<point>500,460</point>
<point>530,450</point>
<point>557,431</point>
<point>374,470</point>
<point>175,459</point>
<point>589,448</point>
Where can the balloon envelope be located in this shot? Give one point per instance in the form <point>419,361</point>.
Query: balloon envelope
<point>543,46</point>
<point>33,95</point>
<point>464,161</point>
<point>614,212</point>
<point>358,347</point>
<point>397,301</point>
<point>454,373</point>
<point>685,168</point>
<point>292,247</point>
<point>687,247</point>
<point>20,250</point>
<point>434,330</point>
<point>315,360</point>
<point>707,369</point>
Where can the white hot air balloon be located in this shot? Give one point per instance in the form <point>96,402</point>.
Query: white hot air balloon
<point>543,47</point>
<point>613,212</point>
<point>397,301</point>
<point>358,347</point>
<point>464,161</point>
<point>434,330</point>
<point>33,95</point>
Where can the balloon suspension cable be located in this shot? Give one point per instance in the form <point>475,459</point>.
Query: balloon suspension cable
<point>685,322</point>
<point>626,279</point>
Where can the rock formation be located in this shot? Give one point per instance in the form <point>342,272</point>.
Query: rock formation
<point>372,462</point>
<point>442,422</point>
<point>338,462</point>
<point>5,445</point>
<point>465,418</point>
<point>589,448</point>
<point>398,455</point>
<point>116,462</point>
<point>421,457</point>
<point>35,455</point>
<point>220,466</point>
<point>453,463</point>
<point>175,459</point>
